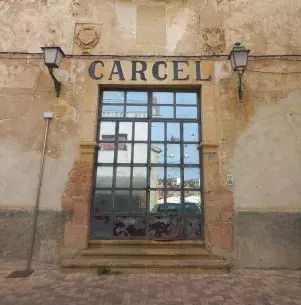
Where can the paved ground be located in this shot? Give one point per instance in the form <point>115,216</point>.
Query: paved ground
<point>239,287</point>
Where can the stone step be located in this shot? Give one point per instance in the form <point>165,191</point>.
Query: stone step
<point>147,265</point>
<point>147,243</point>
<point>146,251</point>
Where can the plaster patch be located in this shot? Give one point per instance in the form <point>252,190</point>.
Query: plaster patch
<point>266,161</point>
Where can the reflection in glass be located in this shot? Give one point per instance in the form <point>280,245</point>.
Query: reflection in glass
<point>173,154</point>
<point>138,201</point>
<point>186,112</point>
<point>104,176</point>
<point>155,198</point>
<point>191,132</point>
<point>141,131</point>
<point>107,131</point>
<point>173,178</point>
<point>157,153</point>
<point>125,128</point>
<point>123,177</point>
<point>122,201</point>
<point>157,177</point>
<point>103,202</point>
<point>193,201</point>
<point>163,112</point>
<point>140,153</point>
<point>101,225</point>
<point>163,98</point>
<point>191,154</point>
<point>192,177</point>
<point>124,153</point>
<point>173,132</point>
<point>113,97</point>
<point>174,197</point>
<point>186,98</point>
<point>112,111</point>
<point>136,112</point>
<point>139,177</point>
<point>106,152</point>
<point>157,131</point>
<point>136,97</point>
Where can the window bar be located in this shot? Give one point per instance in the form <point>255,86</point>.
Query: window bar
<point>165,168</point>
<point>174,105</point>
<point>131,168</point>
<point>182,179</point>
<point>114,176</point>
<point>148,168</point>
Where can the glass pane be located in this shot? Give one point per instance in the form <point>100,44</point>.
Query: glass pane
<point>107,131</point>
<point>173,132</point>
<point>193,201</point>
<point>191,154</point>
<point>157,177</point>
<point>112,111</point>
<point>138,201</point>
<point>163,112</point>
<point>163,98</point>
<point>106,152</point>
<point>123,177</point>
<point>141,131</point>
<point>101,225</point>
<point>173,154</point>
<point>156,201</point>
<point>191,132</point>
<point>186,112</point>
<point>140,153</point>
<point>104,176</point>
<point>124,153</point>
<point>157,131</point>
<point>157,153</point>
<point>173,179</point>
<point>136,97</point>
<point>125,131</point>
<point>136,112</point>
<point>113,97</point>
<point>103,202</point>
<point>192,177</point>
<point>186,98</point>
<point>122,201</point>
<point>173,197</point>
<point>139,177</point>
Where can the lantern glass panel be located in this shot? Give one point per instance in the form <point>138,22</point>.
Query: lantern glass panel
<point>241,59</point>
<point>59,57</point>
<point>50,56</point>
<point>232,60</point>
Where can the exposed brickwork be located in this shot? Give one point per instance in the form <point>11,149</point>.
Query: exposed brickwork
<point>238,287</point>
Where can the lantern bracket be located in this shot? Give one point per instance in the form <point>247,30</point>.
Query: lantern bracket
<point>57,84</point>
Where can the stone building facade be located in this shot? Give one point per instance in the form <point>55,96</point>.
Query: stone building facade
<point>256,221</point>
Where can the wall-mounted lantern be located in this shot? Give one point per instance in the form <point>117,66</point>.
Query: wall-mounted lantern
<point>239,61</point>
<point>53,56</point>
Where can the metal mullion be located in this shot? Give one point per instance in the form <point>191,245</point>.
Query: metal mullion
<point>148,168</point>
<point>128,104</point>
<point>131,167</point>
<point>165,161</point>
<point>174,105</point>
<point>115,162</point>
<point>182,175</point>
<point>199,109</point>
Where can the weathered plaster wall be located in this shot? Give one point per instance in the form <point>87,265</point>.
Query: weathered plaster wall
<point>259,143</point>
<point>153,26</point>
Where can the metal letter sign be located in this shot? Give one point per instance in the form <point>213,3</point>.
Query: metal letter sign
<point>139,70</point>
